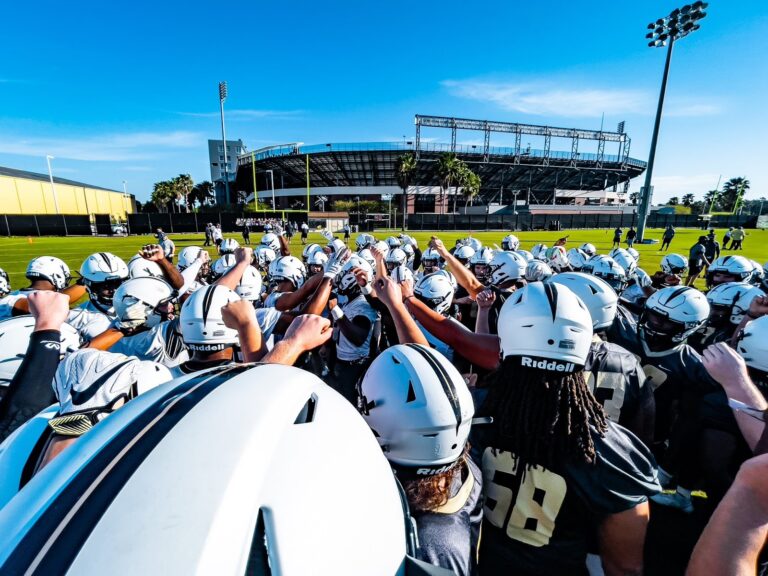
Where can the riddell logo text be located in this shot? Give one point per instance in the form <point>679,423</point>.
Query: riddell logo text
<point>550,365</point>
<point>433,471</point>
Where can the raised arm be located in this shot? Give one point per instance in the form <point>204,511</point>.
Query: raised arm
<point>463,275</point>
<point>622,537</point>
<point>243,257</point>
<point>154,253</point>
<point>305,333</point>
<point>239,316</point>
<point>389,292</point>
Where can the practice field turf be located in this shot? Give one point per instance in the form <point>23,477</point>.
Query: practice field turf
<point>16,252</point>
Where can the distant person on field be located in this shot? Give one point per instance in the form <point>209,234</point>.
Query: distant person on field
<point>631,235</point>
<point>304,233</point>
<point>617,238</point>
<point>666,240</point>
<point>217,235</point>
<point>727,238</point>
<point>169,248</point>
<point>208,234</point>
<point>246,232</point>
<point>697,260</point>
<point>738,237</point>
<point>712,247</point>
<point>346,234</point>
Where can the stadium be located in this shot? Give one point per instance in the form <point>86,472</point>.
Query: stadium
<point>530,166</point>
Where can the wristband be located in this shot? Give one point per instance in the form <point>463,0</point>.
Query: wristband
<point>367,290</point>
<point>337,313</point>
<point>753,316</point>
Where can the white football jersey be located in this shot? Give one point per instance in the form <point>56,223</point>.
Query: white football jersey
<point>7,302</point>
<point>345,350</point>
<point>89,321</point>
<point>162,344</point>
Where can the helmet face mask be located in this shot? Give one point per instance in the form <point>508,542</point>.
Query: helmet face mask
<point>659,331</point>
<point>103,292</point>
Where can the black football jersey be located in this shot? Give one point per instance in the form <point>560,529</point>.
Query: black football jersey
<point>708,336</point>
<point>539,521</point>
<point>680,365</point>
<point>493,313</point>
<point>617,381</point>
<point>449,537</point>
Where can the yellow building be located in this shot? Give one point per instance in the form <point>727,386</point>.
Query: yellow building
<point>24,192</point>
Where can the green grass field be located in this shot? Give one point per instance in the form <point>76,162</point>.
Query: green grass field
<point>16,252</point>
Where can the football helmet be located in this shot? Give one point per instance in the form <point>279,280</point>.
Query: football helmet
<point>436,291</point>
<point>271,241</point>
<point>505,267</point>
<point>431,261</point>
<point>346,281</point>
<point>464,254</point>
<point>364,241</point>
<point>539,252</point>
<point>753,345</point>
<point>674,264</point>
<point>557,259</point>
<point>142,302</point>
<point>730,301</point>
<point>222,265</point>
<point>626,261</point>
<point>139,267</point>
<point>547,326</point>
<point>393,242</point>
<point>288,268</point>
<point>473,243</point>
<point>395,257</point>
<point>480,263</point>
<point>201,322</point>
<point>635,254</point>
<point>188,255</point>
<point>5,283</point>
<point>310,249</point>
<point>316,262</point>
<point>102,273</point>
<point>672,314</point>
<point>250,286</point>
<point>419,408</point>
<point>577,258</point>
<point>588,249</point>
<point>537,271</point>
<point>229,245</point>
<point>49,268</point>
<point>367,255</point>
<point>599,298</point>
<point>607,269</point>
<point>263,257</point>
<point>730,269</point>
<point>510,242</point>
<point>525,254</point>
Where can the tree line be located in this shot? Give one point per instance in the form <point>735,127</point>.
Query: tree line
<point>730,198</point>
<point>179,194</point>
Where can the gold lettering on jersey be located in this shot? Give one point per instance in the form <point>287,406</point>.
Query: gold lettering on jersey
<point>654,376</point>
<point>534,508</point>
<point>612,392</point>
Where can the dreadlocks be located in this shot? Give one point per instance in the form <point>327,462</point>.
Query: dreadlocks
<point>542,417</point>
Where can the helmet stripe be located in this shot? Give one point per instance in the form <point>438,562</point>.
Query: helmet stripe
<point>207,301</point>
<point>444,379</point>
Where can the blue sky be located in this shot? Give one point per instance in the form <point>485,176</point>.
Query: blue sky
<point>129,92</point>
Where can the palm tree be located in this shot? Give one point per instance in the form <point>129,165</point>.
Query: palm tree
<point>712,200</point>
<point>674,201</point>
<point>163,194</point>
<point>633,198</point>
<point>472,184</point>
<point>733,193</point>
<point>202,193</point>
<point>448,168</point>
<point>405,166</point>
<point>688,199</point>
<point>183,185</point>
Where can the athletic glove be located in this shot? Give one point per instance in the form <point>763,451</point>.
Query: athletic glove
<point>335,263</point>
<point>135,316</point>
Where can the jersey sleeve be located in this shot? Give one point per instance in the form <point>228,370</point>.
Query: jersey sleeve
<point>623,476</point>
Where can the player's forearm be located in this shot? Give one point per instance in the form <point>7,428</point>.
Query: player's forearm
<point>252,343</point>
<point>481,322</point>
<point>171,273</point>
<point>480,349</point>
<point>352,332</point>
<point>105,340</point>
<point>407,330</point>
<point>75,292</point>
<point>189,274</point>
<point>233,276</point>
<point>290,300</point>
<point>463,275</point>
<point>319,299</point>
<point>285,352</point>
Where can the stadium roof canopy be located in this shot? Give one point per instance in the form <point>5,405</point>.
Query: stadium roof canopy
<point>509,168</point>
<point>14,173</point>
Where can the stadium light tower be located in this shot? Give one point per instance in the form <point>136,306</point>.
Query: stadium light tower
<point>48,158</point>
<point>222,98</point>
<point>664,32</point>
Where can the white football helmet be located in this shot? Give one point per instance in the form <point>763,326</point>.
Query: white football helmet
<point>14,340</point>
<point>539,252</point>
<point>5,283</point>
<point>547,326</point>
<point>271,241</point>
<point>525,254</point>
<point>102,273</point>
<point>758,274</point>
<point>188,255</point>
<point>142,302</point>
<point>222,265</point>
<point>395,257</point>
<point>92,381</point>
<point>607,269</point>
<point>364,241</point>
<point>635,254</point>
<point>139,267</point>
<point>464,254</point>
<point>250,286</point>
<point>436,291</point>
<point>673,313</point>
<point>367,255</point>
<point>419,408</point>
<point>753,344</point>
<point>409,253</point>
<point>431,261</point>
<point>393,242</point>
<point>229,245</point>
<point>506,267</point>
<point>336,245</point>
<point>588,249</point>
<point>626,261</point>
<point>49,268</point>
<point>346,280</point>
<point>590,264</point>
<point>263,257</point>
<point>474,243</point>
<point>557,258</point>
<point>731,300</point>
<point>738,267</point>
<point>577,258</point>
<point>402,274</point>
<point>451,278</point>
<point>674,264</point>
<point>310,249</point>
<point>616,251</point>
<point>599,298</point>
<point>316,262</point>
<point>288,268</point>
<point>510,242</point>
<point>537,271</point>
<point>480,264</point>
<point>201,322</point>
